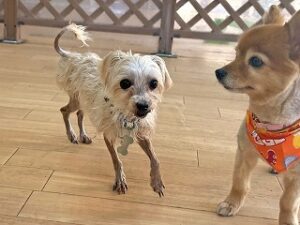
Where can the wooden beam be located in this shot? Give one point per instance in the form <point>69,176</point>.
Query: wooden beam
<point>11,26</point>
<point>167,27</point>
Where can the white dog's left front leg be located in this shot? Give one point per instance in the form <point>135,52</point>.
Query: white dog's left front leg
<point>156,181</point>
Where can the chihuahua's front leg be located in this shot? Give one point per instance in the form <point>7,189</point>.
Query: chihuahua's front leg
<point>156,181</point>
<point>246,159</point>
<point>289,201</point>
<point>120,184</point>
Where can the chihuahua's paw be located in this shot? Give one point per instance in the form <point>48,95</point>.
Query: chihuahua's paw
<point>227,208</point>
<point>85,139</point>
<point>288,219</point>
<point>158,186</point>
<point>72,137</point>
<point>294,222</point>
<point>120,185</point>
<point>289,223</point>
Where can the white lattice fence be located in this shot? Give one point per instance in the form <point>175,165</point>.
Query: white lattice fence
<point>203,19</point>
<point>223,19</point>
<point>1,11</point>
<point>130,16</point>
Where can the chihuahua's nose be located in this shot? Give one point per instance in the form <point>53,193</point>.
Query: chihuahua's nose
<point>220,73</point>
<point>142,106</point>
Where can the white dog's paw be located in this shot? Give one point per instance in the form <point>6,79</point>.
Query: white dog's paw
<point>227,209</point>
<point>72,137</point>
<point>120,185</point>
<point>85,139</point>
<point>158,186</point>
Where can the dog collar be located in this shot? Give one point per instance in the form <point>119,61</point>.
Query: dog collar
<point>279,148</point>
<point>128,127</point>
<point>127,123</point>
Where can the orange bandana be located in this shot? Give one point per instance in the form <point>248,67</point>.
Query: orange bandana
<point>280,148</point>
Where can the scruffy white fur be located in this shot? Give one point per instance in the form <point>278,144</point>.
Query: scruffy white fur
<point>93,85</point>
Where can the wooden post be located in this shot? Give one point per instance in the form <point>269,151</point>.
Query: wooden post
<point>167,28</point>
<point>11,26</point>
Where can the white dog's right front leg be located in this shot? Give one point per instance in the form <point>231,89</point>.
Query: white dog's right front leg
<point>120,185</point>
<point>246,159</point>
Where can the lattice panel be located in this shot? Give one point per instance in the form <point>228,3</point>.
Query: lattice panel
<point>145,14</point>
<point>203,19</point>
<point>1,10</point>
<point>216,18</point>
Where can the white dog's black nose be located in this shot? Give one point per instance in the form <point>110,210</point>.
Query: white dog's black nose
<point>221,74</point>
<point>142,108</point>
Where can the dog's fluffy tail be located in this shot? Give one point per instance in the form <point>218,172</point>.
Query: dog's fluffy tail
<point>80,34</point>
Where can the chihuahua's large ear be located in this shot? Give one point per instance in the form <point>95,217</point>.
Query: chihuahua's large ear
<point>273,16</point>
<point>293,27</point>
<point>109,61</point>
<point>164,71</point>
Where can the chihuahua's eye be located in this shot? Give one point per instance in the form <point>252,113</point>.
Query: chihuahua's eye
<point>125,84</point>
<point>256,62</point>
<point>153,84</point>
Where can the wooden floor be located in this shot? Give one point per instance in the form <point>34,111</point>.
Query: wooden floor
<point>46,180</point>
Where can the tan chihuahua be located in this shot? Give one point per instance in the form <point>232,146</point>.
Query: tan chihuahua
<point>266,68</point>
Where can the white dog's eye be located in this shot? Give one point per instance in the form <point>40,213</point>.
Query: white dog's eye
<point>153,84</point>
<point>125,84</point>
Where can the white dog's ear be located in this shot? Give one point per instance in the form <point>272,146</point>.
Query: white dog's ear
<point>293,27</point>
<point>273,16</point>
<point>164,71</point>
<point>109,61</point>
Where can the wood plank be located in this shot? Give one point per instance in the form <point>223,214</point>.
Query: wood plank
<point>232,114</point>
<point>12,200</point>
<point>200,196</point>
<point>34,140</point>
<point>13,113</point>
<point>86,210</point>
<point>96,161</point>
<point>27,178</point>
<point>181,188</point>
<point>55,129</point>
<point>172,151</point>
<point>6,153</point>
<point>10,220</point>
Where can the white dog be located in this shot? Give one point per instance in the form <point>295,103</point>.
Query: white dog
<point>120,94</point>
